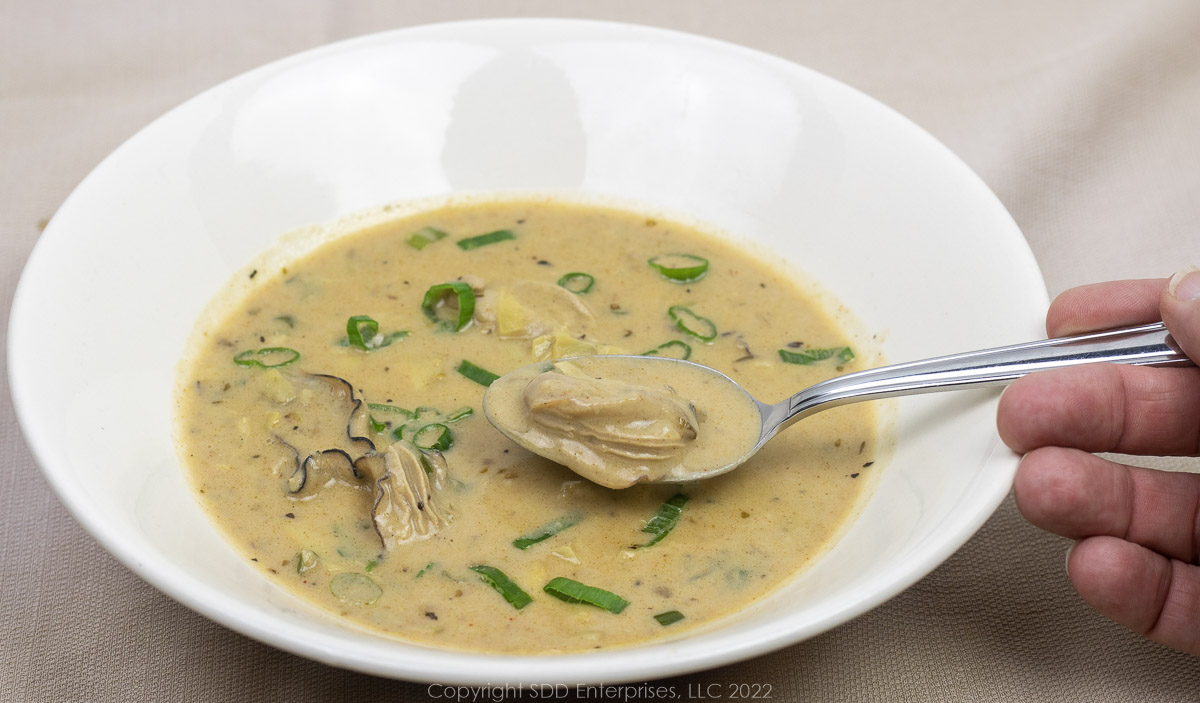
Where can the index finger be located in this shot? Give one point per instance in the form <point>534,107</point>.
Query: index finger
<point>1100,306</point>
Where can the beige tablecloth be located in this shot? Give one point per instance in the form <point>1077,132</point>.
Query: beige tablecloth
<point>1083,116</point>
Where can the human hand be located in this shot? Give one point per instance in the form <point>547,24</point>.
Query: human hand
<point>1137,560</point>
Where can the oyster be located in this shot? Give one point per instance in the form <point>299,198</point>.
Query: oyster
<point>610,416</point>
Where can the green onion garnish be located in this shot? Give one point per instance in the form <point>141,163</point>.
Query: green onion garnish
<point>435,299</point>
<point>426,426</point>
<point>577,282</point>
<point>811,356</point>
<point>662,523</point>
<point>435,436</point>
<point>547,531</point>
<point>498,580</point>
<point>479,375</point>
<point>680,268</point>
<point>426,411</point>
<point>355,588</point>
<point>362,332</point>
<point>460,414</point>
<point>674,349</point>
<point>669,618</point>
<point>483,240</point>
<point>268,357</point>
<point>425,570</point>
<point>287,320</point>
<point>424,237</point>
<point>378,426</point>
<point>355,327</point>
<point>574,592</point>
<point>382,408</point>
<point>305,560</point>
<point>689,322</point>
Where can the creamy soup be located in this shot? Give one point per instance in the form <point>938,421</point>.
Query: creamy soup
<point>332,424</point>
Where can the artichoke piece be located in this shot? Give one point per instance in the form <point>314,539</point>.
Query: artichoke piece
<point>610,416</point>
<point>528,309</point>
<point>560,344</point>
<point>406,481</point>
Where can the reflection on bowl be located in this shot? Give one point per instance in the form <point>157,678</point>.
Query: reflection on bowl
<point>790,162</point>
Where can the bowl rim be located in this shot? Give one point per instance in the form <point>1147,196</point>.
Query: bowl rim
<point>427,664</point>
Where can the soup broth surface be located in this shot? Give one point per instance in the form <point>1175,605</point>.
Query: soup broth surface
<point>331,424</point>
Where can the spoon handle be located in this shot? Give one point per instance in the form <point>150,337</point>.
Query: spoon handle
<point>1145,345</point>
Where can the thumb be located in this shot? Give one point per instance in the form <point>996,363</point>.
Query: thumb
<point>1180,308</point>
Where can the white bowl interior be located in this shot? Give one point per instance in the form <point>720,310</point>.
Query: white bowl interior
<point>845,190</point>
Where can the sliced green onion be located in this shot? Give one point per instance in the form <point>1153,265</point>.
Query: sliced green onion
<point>811,356</point>
<point>483,240</point>
<point>479,375</point>
<point>460,414</point>
<point>362,332</point>
<point>547,531</point>
<point>378,426</point>
<point>383,408</point>
<point>268,357</point>
<point>665,520</point>
<point>577,282</point>
<point>435,299</point>
<point>573,591</point>
<point>680,268</point>
<point>371,566</point>
<point>498,580</point>
<point>689,322</point>
<point>305,560</point>
<point>356,325</point>
<point>287,320</point>
<point>435,436</point>
<point>425,570</point>
<point>355,588</point>
<point>424,237</point>
<point>673,349</point>
<point>669,618</point>
<point>426,411</point>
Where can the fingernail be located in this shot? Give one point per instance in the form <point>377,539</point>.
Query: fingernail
<point>1067,563</point>
<point>1185,284</point>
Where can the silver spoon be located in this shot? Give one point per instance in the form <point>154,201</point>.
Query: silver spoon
<point>1145,345</point>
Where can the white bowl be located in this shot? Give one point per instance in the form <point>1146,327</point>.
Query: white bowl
<point>844,189</point>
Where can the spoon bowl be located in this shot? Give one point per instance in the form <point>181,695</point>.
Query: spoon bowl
<point>619,420</point>
<point>602,435</point>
